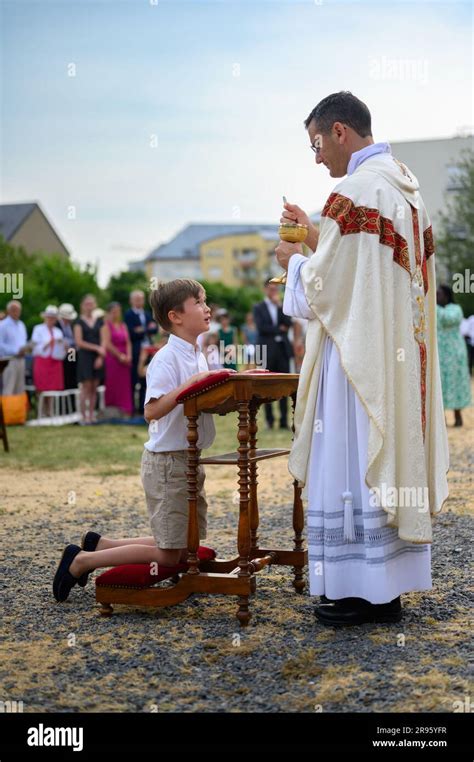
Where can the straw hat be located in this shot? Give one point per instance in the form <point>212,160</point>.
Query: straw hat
<point>50,311</point>
<point>67,311</point>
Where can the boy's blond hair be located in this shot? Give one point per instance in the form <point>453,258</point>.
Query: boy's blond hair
<point>171,296</point>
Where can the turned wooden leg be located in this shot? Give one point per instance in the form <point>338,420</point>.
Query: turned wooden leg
<point>253,470</point>
<point>298,520</point>
<point>243,537</point>
<point>243,613</point>
<point>106,609</point>
<point>191,475</point>
<point>298,525</point>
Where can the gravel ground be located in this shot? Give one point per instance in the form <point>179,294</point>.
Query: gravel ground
<point>194,657</point>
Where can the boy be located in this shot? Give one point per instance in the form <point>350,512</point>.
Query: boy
<point>180,308</point>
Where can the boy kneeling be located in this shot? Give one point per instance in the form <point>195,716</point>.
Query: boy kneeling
<point>180,308</point>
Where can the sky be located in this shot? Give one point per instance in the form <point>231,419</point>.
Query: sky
<point>127,121</point>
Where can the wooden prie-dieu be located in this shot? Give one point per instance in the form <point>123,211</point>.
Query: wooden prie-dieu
<point>243,393</point>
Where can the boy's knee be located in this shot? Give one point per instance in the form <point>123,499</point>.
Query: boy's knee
<point>170,557</point>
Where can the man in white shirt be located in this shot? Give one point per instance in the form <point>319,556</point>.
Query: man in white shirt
<point>13,343</point>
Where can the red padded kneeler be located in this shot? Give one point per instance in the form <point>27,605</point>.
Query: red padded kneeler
<point>139,575</point>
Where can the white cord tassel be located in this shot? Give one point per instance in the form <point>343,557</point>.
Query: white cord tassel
<point>349,530</point>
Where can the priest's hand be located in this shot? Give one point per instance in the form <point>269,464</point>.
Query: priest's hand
<point>294,213</point>
<point>285,250</point>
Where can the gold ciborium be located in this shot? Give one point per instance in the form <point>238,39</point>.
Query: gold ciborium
<point>292,232</point>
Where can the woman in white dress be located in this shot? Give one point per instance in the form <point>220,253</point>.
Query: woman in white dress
<point>48,354</point>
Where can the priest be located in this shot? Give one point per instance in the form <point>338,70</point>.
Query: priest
<point>370,446</point>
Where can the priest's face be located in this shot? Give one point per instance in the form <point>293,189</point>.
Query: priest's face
<point>330,148</point>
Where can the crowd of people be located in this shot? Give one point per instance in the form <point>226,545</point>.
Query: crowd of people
<point>71,350</point>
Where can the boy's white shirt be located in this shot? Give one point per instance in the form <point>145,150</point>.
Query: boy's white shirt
<point>172,366</point>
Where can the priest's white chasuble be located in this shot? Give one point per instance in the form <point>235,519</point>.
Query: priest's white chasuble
<point>370,445</point>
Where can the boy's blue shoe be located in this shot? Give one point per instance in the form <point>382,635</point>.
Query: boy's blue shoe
<point>89,542</point>
<point>63,580</point>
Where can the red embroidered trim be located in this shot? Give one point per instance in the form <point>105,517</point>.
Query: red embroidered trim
<point>422,345</point>
<point>362,219</point>
<point>428,242</point>
<point>419,260</point>
<point>428,246</point>
<point>424,272</point>
<point>416,234</point>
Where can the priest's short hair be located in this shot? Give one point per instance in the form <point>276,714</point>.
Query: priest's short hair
<point>341,107</point>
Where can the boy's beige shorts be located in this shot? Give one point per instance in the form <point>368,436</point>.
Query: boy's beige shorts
<point>166,490</point>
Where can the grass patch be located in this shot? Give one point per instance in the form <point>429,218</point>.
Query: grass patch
<point>110,449</point>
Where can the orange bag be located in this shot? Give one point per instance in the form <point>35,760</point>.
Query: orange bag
<point>14,408</point>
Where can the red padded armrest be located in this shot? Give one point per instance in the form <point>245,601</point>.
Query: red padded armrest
<point>214,379</point>
<point>205,383</point>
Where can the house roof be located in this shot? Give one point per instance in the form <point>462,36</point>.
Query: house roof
<point>185,245</point>
<point>12,216</point>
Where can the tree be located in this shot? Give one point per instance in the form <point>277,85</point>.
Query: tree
<point>455,243</point>
<point>45,279</point>
<point>237,300</point>
<point>120,286</point>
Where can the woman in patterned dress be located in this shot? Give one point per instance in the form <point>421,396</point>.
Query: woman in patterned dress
<point>452,354</point>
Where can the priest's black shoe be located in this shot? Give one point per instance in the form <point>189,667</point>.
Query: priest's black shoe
<point>353,611</point>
